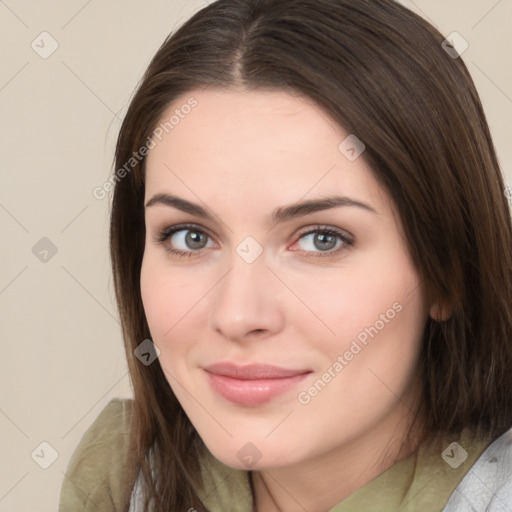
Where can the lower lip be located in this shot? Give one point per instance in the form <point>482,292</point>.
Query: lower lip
<point>252,392</point>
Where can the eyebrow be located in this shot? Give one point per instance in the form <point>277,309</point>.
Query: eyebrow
<point>279,215</point>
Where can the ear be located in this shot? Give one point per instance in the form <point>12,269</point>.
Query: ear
<point>441,310</point>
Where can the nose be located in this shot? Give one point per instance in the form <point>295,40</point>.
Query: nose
<point>246,303</point>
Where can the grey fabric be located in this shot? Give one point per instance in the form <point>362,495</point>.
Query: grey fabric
<point>136,502</point>
<point>487,487</point>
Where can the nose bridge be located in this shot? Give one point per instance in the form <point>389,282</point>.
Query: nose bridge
<point>245,300</point>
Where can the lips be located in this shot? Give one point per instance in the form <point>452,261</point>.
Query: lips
<point>252,384</point>
<point>252,371</point>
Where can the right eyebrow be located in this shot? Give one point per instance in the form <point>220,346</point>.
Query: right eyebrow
<point>180,204</point>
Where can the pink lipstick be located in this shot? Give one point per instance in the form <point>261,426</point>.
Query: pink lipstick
<point>252,384</point>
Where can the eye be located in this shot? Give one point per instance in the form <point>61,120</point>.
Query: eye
<point>183,240</point>
<point>190,240</point>
<point>324,241</point>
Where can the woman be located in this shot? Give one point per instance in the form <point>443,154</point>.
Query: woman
<point>312,255</point>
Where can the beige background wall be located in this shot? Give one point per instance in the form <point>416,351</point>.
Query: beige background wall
<point>61,353</point>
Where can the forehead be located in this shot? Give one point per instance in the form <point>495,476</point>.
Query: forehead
<point>247,144</point>
<point>248,119</point>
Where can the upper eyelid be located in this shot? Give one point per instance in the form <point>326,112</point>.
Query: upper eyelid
<point>175,228</point>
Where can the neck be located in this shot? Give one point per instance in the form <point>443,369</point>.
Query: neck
<point>318,484</point>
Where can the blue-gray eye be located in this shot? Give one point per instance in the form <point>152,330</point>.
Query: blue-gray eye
<point>323,241</point>
<point>189,239</point>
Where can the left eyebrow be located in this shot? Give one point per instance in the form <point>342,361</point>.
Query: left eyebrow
<point>286,213</point>
<point>279,215</point>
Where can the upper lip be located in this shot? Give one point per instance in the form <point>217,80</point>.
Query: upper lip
<point>252,371</point>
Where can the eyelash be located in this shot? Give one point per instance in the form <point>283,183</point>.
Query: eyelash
<point>167,233</point>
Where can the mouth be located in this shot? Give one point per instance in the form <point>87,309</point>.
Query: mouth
<point>253,384</point>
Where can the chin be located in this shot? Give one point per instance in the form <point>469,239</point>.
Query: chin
<point>247,455</point>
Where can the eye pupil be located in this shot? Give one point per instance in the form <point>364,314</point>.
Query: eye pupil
<point>193,240</point>
<point>322,238</point>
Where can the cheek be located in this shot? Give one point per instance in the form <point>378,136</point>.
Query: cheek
<point>157,303</point>
<point>372,315</point>
<point>163,306</point>
<point>343,302</point>
<point>370,361</point>
<point>175,304</point>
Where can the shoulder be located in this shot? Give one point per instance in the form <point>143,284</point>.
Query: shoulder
<point>96,476</point>
<point>488,484</point>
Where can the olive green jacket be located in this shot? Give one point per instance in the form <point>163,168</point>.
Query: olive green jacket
<point>96,479</point>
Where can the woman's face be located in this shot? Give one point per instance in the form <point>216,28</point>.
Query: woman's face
<point>262,282</point>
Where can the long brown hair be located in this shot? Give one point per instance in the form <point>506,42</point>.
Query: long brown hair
<point>381,72</point>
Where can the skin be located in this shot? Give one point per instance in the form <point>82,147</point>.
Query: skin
<point>241,155</point>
